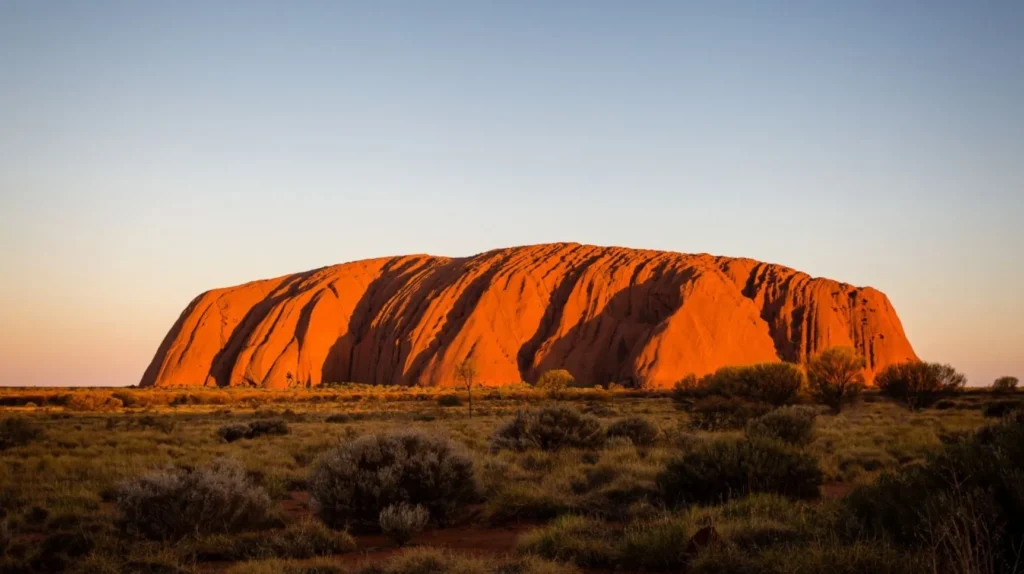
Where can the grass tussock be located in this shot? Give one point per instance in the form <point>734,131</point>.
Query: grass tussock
<point>301,540</point>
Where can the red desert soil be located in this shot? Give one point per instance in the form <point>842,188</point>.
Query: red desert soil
<point>607,314</point>
<point>475,539</point>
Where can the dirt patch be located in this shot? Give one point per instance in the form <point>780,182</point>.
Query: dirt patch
<point>472,539</point>
<point>295,506</point>
<point>836,490</point>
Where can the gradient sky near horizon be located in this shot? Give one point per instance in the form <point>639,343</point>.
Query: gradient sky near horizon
<point>152,150</point>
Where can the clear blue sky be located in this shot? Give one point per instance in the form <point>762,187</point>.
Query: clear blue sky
<point>152,150</point>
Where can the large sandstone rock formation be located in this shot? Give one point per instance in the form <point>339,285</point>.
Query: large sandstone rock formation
<point>606,314</point>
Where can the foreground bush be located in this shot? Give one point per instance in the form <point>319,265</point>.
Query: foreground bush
<point>171,505</point>
<point>354,482</point>
<point>967,500</point>
<point>835,377</point>
<point>1001,408</point>
<point>550,428</point>
<point>640,431</point>
<point>717,413</point>
<point>918,384</point>
<point>793,425</point>
<point>402,521</point>
<point>722,469</point>
<point>18,431</point>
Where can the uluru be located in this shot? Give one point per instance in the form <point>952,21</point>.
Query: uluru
<point>606,314</point>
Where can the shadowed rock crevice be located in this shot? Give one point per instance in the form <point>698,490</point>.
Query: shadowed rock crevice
<point>526,357</point>
<point>225,360</point>
<point>340,362</point>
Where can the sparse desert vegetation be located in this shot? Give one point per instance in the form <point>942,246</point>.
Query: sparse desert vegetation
<point>721,475</point>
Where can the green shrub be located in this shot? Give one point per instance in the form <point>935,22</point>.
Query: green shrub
<point>968,493</point>
<point>550,428</point>
<point>171,505</point>
<point>1000,409</point>
<point>449,401</point>
<point>776,384</point>
<point>639,430</point>
<point>555,380</point>
<point>722,469</point>
<point>835,377</point>
<point>918,384</point>
<point>354,482</point>
<point>403,521</point>
<point>717,413</point>
<point>793,425</point>
<point>233,432</point>
<point>18,431</point>
<point>270,426</point>
<point>1005,384</point>
<point>255,429</point>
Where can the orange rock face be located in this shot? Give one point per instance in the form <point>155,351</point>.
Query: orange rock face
<point>606,314</point>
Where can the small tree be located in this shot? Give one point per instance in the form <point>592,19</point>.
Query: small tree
<point>1005,384</point>
<point>919,384</point>
<point>465,373</point>
<point>555,380</point>
<point>836,377</point>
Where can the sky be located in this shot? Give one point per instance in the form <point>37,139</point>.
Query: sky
<point>152,150</point>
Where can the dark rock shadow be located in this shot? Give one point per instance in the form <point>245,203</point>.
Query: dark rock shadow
<point>225,359</point>
<point>615,336</point>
